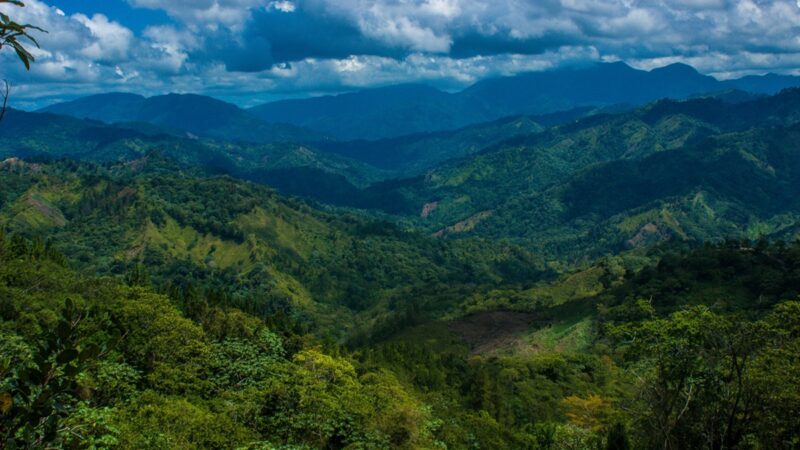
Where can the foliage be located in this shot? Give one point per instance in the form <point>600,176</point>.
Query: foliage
<point>14,35</point>
<point>210,242</point>
<point>123,368</point>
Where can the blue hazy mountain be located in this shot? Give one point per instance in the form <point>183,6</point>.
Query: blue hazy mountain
<point>402,110</point>
<point>378,113</point>
<point>408,109</point>
<point>195,114</point>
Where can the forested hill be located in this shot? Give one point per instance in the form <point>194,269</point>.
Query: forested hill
<point>260,251</point>
<point>595,279</point>
<point>593,182</point>
<point>87,361</point>
<point>454,225</point>
<point>31,135</point>
<point>692,170</point>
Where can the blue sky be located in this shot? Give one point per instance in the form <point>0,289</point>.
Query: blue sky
<point>251,51</point>
<point>137,19</point>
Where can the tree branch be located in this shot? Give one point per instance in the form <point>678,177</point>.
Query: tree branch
<point>5,93</point>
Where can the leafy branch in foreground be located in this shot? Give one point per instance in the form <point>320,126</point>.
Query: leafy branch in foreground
<point>14,35</point>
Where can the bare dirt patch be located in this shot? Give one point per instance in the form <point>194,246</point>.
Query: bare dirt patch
<point>490,331</point>
<point>428,209</point>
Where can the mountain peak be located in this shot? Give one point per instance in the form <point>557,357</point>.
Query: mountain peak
<point>676,69</point>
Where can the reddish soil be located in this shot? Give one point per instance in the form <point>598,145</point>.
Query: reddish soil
<point>428,209</point>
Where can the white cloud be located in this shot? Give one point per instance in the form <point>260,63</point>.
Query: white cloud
<point>284,6</point>
<point>111,41</point>
<point>449,43</point>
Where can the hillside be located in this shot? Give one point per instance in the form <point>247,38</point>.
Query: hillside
<point>86,361</point>
<point>545,287</point>
<point>453,225</point>
<point>265,253</point>
<point>27,135</point>
<point>611,181</point>
<point>100,356</point>
<point>612,343</point>
<point>414,154</point>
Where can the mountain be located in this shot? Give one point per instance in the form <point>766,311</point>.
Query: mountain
<point>285,253</point>
<point>601,84</point>
<point>399,110</point>
<point>110,108</point>
<point>615,278</point>
<point>376,113</point>
<point>193,114</point>
<point>689,170</point>
<point>161,307</point>
<point>27,135</point>
<point>395,111</point>
<point>414,154</point>
<point>763,84</point>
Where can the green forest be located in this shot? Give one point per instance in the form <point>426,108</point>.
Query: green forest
<point>147,307</point>
<point>535,254</point>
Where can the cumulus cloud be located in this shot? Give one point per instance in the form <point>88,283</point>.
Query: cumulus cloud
<point>110,41</point>
<point>289,31</point>
<point>291,46</point>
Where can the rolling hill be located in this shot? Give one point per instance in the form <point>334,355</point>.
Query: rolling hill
<point>414,154</point>
<point>264,249</point>
<point>610,182</point>
<point>29,135</point>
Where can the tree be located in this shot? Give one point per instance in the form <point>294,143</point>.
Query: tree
<point>15,35</point>
<point>717,381</point>
<point>38,395</point>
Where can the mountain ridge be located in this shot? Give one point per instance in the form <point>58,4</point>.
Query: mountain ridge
<point>532,93</point>
<point>196,115</point>
<point>398,110</point>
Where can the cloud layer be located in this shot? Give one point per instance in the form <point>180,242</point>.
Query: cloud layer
<point>252,50</point>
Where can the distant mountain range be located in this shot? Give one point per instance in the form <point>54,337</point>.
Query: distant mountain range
<point>567,185</point>
<point>401,110</point>
<point>193,115</point>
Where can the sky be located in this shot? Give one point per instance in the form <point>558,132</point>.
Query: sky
<point>253,51</point>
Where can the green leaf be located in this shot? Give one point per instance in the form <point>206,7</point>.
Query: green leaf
<point>67,356</point>
<point>90,352</point>
<point>64,330</point>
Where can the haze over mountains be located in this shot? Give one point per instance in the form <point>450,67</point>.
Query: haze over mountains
<point>407,109</point>
<point>399,110</point>
<point>545,174</point>
<point>194,114</point>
